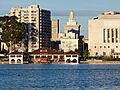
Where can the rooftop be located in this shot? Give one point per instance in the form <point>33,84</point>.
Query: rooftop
<point>108,15</point>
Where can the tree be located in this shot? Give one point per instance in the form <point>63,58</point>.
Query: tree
<point>78,51</point>
<point>86,54</point>
<point>12,31</point>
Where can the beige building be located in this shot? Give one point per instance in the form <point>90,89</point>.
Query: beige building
<point>104,34</point>
<point>39,25</point>
<point>55,29</point>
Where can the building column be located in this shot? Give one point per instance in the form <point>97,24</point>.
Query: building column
<point>52,57</point>
<point>21,59</point>
<point>71,58</point>
<point>65,58</point>
<point>58,57</point>
<point>105,37</point>
<point>15,59</point>
<point>34,57</point>
<point>9,59</point>
<point>118,36</point>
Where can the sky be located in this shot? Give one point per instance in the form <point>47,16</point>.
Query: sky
<point>84,9</point>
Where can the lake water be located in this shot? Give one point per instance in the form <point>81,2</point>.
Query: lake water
<point>59,77</point>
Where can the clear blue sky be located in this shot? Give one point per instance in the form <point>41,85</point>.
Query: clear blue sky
<point>84,9</point>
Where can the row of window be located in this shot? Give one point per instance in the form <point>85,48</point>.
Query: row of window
<point>110,32</point>
<point>104,47</point>
<point>104,53</point>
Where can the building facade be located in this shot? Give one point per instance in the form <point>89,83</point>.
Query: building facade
<point>44,55</point>
<point>104,34</point>
<point>38,22</point>
<point>68,41</point>
<point>55,29</point>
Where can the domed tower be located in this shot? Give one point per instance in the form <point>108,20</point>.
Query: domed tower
<point>72,24</point>
<point>72,20</point>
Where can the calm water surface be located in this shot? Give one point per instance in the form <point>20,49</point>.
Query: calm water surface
<point>60,77</point>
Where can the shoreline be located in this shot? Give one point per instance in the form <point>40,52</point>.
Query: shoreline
<point>81,62</point>
<point>99,62</point>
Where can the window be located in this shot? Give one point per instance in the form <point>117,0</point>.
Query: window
<point>37,56</point>
<point>96,53</point>
<point>104,53</point>
<point>112,33</point>
<point>75,45</point>
<point>112,50</point>
<point>12,56</point>
<point>55,56</point>
<point>74,55</point>
<point>94,46</point>
<point>116,32</point>
<point>116,41</point>
<point>104,35</point>
<point>104,41</point>
<point>116,46</point>
<point>100,46</point>
<point>68,55</point>
<point>63,41</point>
<point>112,40</point>
<point>108,46</point>
<point>49,56</point>
<point>112,36</point>
<point>117,57</point>
<point>108,33</point>
<point>104,46</point>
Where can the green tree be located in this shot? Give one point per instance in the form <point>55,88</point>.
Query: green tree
<point>12,31</point>
<point>86,54</point>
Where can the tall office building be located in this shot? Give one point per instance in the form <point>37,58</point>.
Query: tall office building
<point>55,29</point>
<point>39,25</point>
<point>104,34</point>
<point>72,24</point>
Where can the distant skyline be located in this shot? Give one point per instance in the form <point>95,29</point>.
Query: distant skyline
<point>84,9</point>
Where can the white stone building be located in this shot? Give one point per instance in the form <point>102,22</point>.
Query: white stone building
<point>68,41</point>
<point>39,25</point>
<point>104,34</point>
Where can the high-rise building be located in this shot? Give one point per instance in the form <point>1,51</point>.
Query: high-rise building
<point>104,34</point>
<point>72,24</point>
<point>55,29</point>
<point>39,25</point>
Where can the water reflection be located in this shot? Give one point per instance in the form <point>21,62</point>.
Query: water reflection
<point>59,77</point>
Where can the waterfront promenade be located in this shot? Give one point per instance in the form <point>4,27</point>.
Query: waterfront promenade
<point>81,62</point>
<point>99,62</point>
